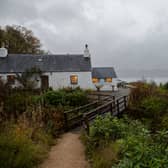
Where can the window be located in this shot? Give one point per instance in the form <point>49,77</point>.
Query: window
<point>11,79</point>
<point>109,80</point>
<point>95,80</point>
<point>74,79</point>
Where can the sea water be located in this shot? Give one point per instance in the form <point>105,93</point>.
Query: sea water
<point>157,80</point>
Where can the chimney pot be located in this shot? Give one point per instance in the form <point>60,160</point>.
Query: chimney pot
<point>86,51</point>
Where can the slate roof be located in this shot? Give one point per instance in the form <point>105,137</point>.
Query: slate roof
<point>103,72</point>
<point>46,63</point>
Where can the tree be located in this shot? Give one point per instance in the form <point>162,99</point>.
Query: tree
<point>20,40</point>
<point>26,78</point>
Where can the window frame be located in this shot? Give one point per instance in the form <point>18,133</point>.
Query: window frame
<point>108,80</point>
<point>11,79</point>
<point>75,80</point>
<point>97,80</point>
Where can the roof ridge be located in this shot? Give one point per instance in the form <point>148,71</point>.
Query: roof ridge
<point>45,54</point>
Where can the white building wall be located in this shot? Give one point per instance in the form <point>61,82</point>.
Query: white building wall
<point>107,86</point>
<point>62,79</point>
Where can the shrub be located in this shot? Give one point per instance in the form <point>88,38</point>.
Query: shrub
<point>76,98</point>
<point>118,137</point>
<point>165,86</point>
<point>15,104</point>
<point>141,91</point>
<point>18,150</point>
<point>107,128</point>
<point>164,122</point>
<point>125,143</point>
<point>55,98</point>
<point>153,107</point>
<point>107,156</point>
<point>66,97</point>
<point>53,119</point>
<point>4,90</point>
<point>144,152</point>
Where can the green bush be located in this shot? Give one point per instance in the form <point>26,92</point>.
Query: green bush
<point>55,98</point>
<point>66,97</point>
<point>133,145</point>
<point>107,128</point>
<point>153,107</point>
<point>76,98</point>
<point>15,104</point>
<point>19,150</point>
<point>142,151</point>
<point>166,86</point>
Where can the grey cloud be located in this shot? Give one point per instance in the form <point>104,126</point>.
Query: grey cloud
<point>120,33</point>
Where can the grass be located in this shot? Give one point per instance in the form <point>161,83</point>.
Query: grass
<point>21,148</point>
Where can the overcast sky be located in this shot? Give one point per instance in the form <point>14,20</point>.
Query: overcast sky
<point>125,34</point>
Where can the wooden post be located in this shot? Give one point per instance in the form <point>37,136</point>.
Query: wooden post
<point>98,97</point>
<point>65,122</point>
<point>111,108</point>
<point>118,108</point>
<point>125,102</point>
<point>86,124</point>
<point>114,104</point>
<point>113,97</point>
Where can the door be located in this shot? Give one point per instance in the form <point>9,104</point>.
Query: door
<point>44,82</point>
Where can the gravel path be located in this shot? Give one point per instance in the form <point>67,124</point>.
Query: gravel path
<point>67,153</point>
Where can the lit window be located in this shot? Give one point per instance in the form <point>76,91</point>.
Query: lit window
<point>95,80</point>
<point>74,79</point>
<point>109,80</point>
<point>11,79</point>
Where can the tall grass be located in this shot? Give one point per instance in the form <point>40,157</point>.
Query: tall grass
<point>20,147</point>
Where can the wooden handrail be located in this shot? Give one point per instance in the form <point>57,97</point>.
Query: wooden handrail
<point>87,105</point>
<point>81,107</point>
<point>98,108</point>
<point>119,105</point>
<point>115,107</point>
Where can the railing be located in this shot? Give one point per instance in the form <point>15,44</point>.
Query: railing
<point>114,107</point>
<point>74,116</point>
<point>85,114</point>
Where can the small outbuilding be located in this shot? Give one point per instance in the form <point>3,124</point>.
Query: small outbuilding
<point>105,77</point>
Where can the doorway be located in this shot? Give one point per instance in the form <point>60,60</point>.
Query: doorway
<point>44,82</point>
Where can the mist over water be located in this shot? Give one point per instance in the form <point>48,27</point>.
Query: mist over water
<point>131,75</point>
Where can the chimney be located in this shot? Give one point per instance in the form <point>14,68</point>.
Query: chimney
<point>3,51</point>
<point>86,52</point>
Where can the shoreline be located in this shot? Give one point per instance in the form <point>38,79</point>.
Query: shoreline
<point>157,80</point>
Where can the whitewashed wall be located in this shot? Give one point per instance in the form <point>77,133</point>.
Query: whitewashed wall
<point>108,85</point>
<point>62,79</point>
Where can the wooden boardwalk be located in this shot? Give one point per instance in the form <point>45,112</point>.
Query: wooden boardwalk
<point>108,102</point>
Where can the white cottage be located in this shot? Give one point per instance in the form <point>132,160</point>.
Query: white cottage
<point>58,71</point>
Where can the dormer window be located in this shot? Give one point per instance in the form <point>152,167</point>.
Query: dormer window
<point>74,79</point>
